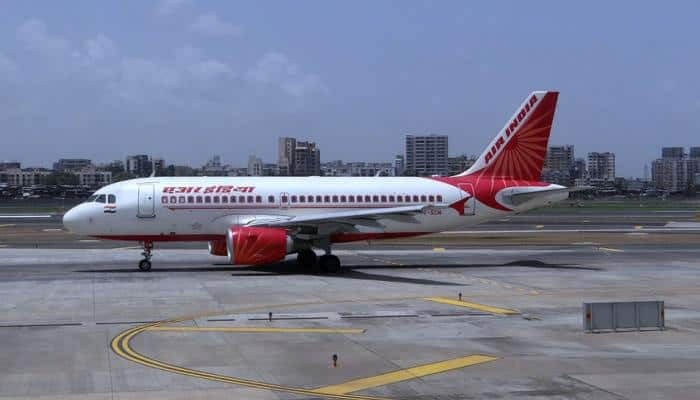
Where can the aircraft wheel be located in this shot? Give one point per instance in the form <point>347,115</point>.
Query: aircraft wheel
<point>306,258</point>
<point>145,265</point>
<point>330,263</point>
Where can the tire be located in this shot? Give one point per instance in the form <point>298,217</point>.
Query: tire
<point>330,263</point>
<point>145,265</point>
<point>306,258</point>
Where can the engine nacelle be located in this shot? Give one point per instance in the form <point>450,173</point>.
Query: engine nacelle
<point>218,248</point>
<point>257,245</point>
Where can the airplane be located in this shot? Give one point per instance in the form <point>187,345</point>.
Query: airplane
<point>261,220</point>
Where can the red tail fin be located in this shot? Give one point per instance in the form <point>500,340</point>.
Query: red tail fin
<point>518,151</point>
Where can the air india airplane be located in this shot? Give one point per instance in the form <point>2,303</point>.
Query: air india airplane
<point>260,220</point>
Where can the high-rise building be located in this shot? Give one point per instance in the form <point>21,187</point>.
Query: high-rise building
<point>399,165</point>
<point>558,165</point>
<point>286,155</point>
<point>674,171</point>
<point>143,165</point>
<point>9,165</point>
<point>426,155</point>
<point>672,152</point>
<point>255,166</point>
<point>213,167</point>
<point>601,166</point>
<point>71,164</point>
<point>307,159</point>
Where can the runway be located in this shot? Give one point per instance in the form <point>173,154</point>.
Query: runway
<point>83,323</point>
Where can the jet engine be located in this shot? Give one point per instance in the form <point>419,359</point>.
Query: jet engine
<point>218,248</point>
<point>257,245</point>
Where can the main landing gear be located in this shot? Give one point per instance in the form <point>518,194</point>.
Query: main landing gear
<point>306,258</point>
<point>145,264</point>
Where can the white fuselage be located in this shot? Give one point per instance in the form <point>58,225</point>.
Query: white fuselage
<point>203,208</point>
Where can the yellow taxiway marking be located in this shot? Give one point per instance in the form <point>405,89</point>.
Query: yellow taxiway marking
<point>6,225</point>
<point>476,306</point>
<point>404,375</point>
<point>611,250</point>
<point>539,226</point>
<point>638,227</point>
<point>251,329</point>
<point>438,249</point>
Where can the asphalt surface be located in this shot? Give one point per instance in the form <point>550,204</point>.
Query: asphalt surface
<point>78,322</point>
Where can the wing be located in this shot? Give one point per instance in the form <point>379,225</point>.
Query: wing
<point>343,220</point>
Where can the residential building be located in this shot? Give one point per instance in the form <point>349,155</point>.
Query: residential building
<point>93,178</point>
<point>426,155</point>
<point>672,152</point>
<point>286,155</point>
<point>558,165</point>
<point>71,164</point>
<point>674,171</point>
<point>399,165</point>
<point>213,167</point>
<point>255,166</point>
<point>307,159</point>
<point>24,177</point>
<point>601,166</point>
<point>9,165</point>
<point>144,165</point>
<point>459,164</point>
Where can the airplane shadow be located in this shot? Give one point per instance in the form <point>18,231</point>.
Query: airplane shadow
<point>358,272</point>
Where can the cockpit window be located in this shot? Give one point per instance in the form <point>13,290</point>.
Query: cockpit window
<point>100,198</point>
<point>111,199</point>
<point>91,198</point>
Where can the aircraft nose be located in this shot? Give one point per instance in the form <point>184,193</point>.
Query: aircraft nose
<point>71,219</point>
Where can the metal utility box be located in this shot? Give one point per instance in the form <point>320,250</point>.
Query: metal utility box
<point>623,316</point>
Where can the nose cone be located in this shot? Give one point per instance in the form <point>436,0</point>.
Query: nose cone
<point>72,219</point>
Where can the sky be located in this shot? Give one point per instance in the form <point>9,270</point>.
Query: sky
<point>185,80</point>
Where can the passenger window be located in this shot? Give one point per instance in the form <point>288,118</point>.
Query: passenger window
<point>233,199</point>
<point>258,199</point>
<point>319,199</point>
<point>423,198</point>
<point>173,199</point>
<point>182,199</point>
<point>302,199</point>
<point>241,199</point>
<point>216,199</point>
<point>111,199</point>
<point>327,199</point>
<point>199,199</point>
<point>383,199</point>
<point>367,199</point>
<point>351,199</point>
<point>207,199</point>
<point>190,199</point>
<point>250,199</point>
<point>285,199</point>
<point>335,199</point>
<point>391,199</point>
<point>431,198</point>
<point>224,199</point>
<point>343,199</point>
<point>375,199</point>
<point>164,199</point>
<point>270,199</point>
<point>439,198</point>
<point>415,198</point>
<point>399,199</point>
<point>294,199</point>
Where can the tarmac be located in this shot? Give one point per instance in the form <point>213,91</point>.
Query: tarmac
<point>79,321</point>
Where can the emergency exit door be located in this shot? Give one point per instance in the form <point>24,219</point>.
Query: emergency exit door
<point>147,201</point>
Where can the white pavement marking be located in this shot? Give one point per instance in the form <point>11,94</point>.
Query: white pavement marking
<point>53,230</point>
<point>25,216</point>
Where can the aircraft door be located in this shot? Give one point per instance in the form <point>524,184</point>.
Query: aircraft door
<point>147,201</point>
<point>468,192</point>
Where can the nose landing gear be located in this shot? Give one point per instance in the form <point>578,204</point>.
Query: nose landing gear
<point>145,264</point>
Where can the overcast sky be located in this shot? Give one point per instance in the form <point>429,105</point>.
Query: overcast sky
<point>185,80</point>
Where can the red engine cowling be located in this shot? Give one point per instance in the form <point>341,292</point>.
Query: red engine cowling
<point>257,246</point>
<point>218,248</point>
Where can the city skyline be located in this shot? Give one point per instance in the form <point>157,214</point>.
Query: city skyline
<point>201,76</point>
